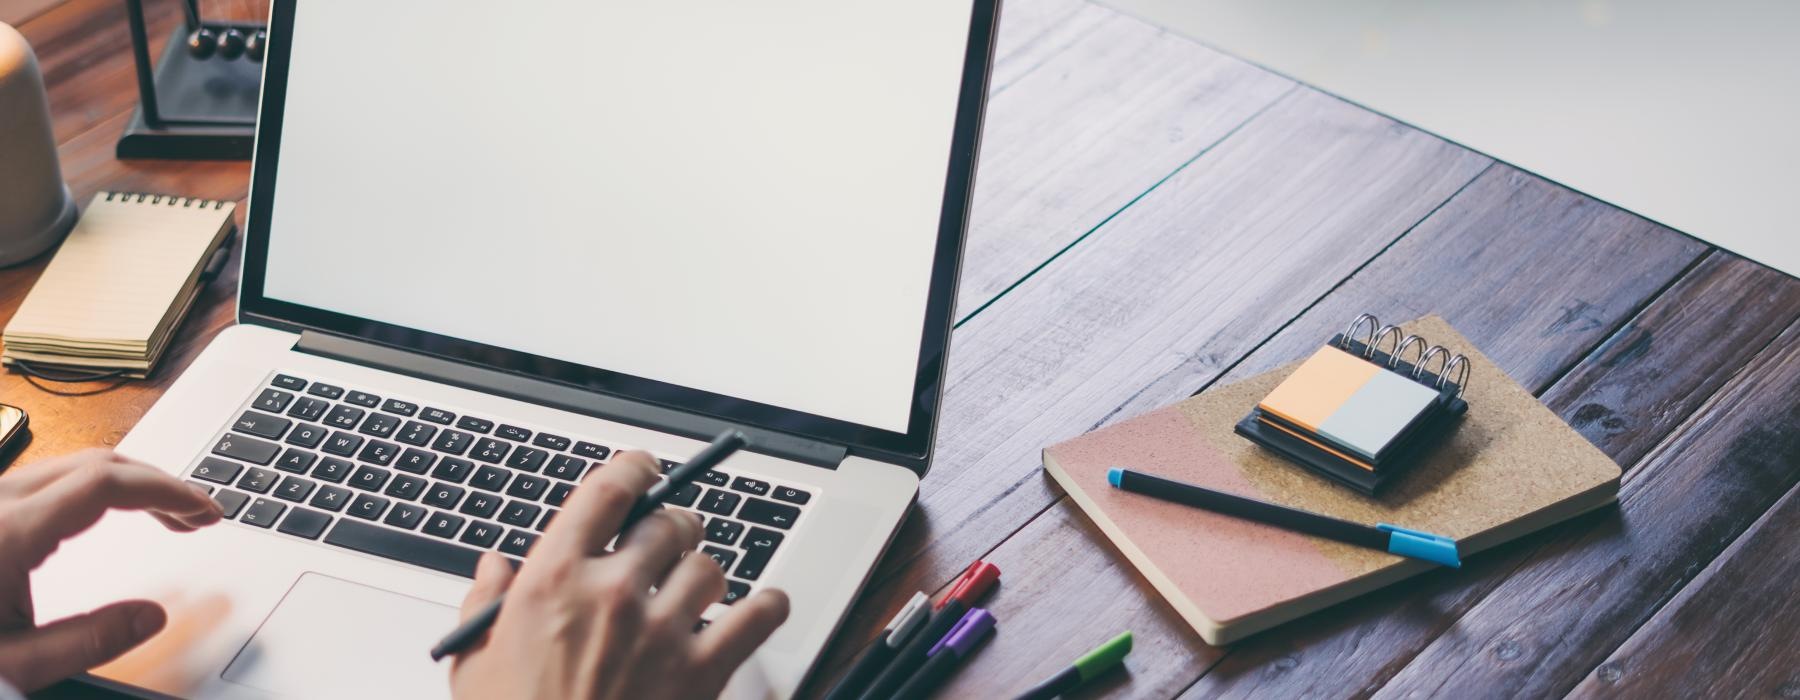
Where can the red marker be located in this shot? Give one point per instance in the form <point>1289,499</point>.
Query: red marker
<point>968,590</point>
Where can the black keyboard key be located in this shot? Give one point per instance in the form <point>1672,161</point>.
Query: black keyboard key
<point>759,546</point>
<point>309,409</point>
<point>443,525</point>
<point>592,451</point>
<point>724,531</point>
<point>380,425</point>
<point>558,493</point>
<point>544,524</point>
<point>452,442</point>
<point>231,502</point>
<point>343,416</point>
<point>404,408</point>
<point>342,444</point>
<point>405,516</point>
<point>333,470</point>
<point>769,513</point>
<point>528,487</point>
<point>331,498</point>
<point>207,488</point>
<point>490,450</point>
<point>262,425</point>
<point>520,513</point>
<point>452,469</point>
<point>473,424</point>
<point>513,433</point>
<point>288,382</point>
<point>304,523</point>
<point>378,452</point>
<point>481,534</point>
<point>723,556</point>
<point>406,488</point>
<point>307,435</point>
<point>368,507</point>
<point>438,415</point>
<point>293,488</point>
<point>263,512</point>
<point>735,591</point>
<point>791,495</point>
<point>258,480</point>
<point>685,496</point>
<point>480,505</point>
<point>518,542</point>
<point>719,502</point>
<point>715,478</point>
<point>325,390</point>
<point>247,449</point>
<point>404,547</point>
<point>527,459</point>
<point>296,461</point>
<point>363,398</point>
<point>668,465</point>
<point>217,470</point>
<point>369,478</point>
<point>272,400</point>
<point>416,433</point>
<point>443,496</point>
<point>554,442</point>
<point>415,461</point>
<point>565,467</point>
<point>490,478</point>
<point>751,486</point>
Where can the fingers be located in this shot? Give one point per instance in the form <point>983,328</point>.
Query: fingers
<point>493,575</point>
<point>34,659</point>
<point>730,640</point>
<point>76,501</point>
<point>653,546</point>
<point>27,480</point>
<point>695,584</point>
<point>597,508</point>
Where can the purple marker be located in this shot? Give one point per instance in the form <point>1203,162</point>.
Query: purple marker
<point>947,655</point>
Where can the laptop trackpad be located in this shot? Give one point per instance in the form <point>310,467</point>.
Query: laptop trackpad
<point>333,638</point>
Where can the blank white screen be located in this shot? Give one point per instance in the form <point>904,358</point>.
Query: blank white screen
<point>738,197</point>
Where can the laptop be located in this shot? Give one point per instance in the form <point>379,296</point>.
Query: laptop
<point>488,248</point>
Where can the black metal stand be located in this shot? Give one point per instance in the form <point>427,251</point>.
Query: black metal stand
<point>190,109</point>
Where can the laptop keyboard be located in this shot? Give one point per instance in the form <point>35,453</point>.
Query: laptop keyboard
<point>434,488</point>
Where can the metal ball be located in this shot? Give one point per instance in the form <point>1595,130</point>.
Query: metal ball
<point>253,47</point>
<point>231,44</point>
<point>202,42</point>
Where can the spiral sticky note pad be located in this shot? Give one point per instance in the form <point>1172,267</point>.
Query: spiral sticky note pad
<point>1354,404</point>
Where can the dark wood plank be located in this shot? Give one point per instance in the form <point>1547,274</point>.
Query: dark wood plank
<point>1558,616</point>
<point>1088,130</point>
<point>1366,643</point>
<point>1733,632</point>
<point>1212,261</point>
<point>84,49</point>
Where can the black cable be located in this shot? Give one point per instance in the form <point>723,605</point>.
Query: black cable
<point>67,376</point>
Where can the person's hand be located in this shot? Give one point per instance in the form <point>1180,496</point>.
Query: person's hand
<point>43,504</point>
<point>580,623</point>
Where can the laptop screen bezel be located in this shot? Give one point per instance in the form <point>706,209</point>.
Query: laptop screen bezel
<point>911,448</point>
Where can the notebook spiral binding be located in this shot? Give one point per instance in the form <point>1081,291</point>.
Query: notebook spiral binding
<point>1377,333</point>
<point>170,200</point>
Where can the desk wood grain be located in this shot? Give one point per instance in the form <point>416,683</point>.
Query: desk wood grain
<point>1153,217</point>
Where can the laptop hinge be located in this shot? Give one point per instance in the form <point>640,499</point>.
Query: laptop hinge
<point>564,397</point>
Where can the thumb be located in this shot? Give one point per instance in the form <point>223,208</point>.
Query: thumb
<point>492,577</point>
<point>36,658</point>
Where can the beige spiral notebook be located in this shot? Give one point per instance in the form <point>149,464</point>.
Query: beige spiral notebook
<point>120,284</point>
<point>1511,467</point>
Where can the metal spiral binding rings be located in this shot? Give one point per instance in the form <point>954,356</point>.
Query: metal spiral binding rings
<point>1375,334</point>
<point>170,200</point>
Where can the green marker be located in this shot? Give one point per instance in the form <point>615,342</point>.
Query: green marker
<point>1085,669</point>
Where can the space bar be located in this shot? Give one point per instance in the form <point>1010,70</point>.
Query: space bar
<point>399,546</point>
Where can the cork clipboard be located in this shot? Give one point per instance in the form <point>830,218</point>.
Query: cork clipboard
<point>1512,467</point>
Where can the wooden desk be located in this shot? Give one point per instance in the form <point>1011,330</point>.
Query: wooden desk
<point>1154,217</point>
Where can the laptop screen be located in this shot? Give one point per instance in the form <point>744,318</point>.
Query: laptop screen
<point>744,199</point>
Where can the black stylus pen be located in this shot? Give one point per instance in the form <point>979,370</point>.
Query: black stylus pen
<point>722,446</point>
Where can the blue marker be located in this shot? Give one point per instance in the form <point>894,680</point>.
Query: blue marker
<point>1383,537</point>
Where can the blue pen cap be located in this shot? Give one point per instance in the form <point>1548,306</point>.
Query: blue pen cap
<point>1421,545</point>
